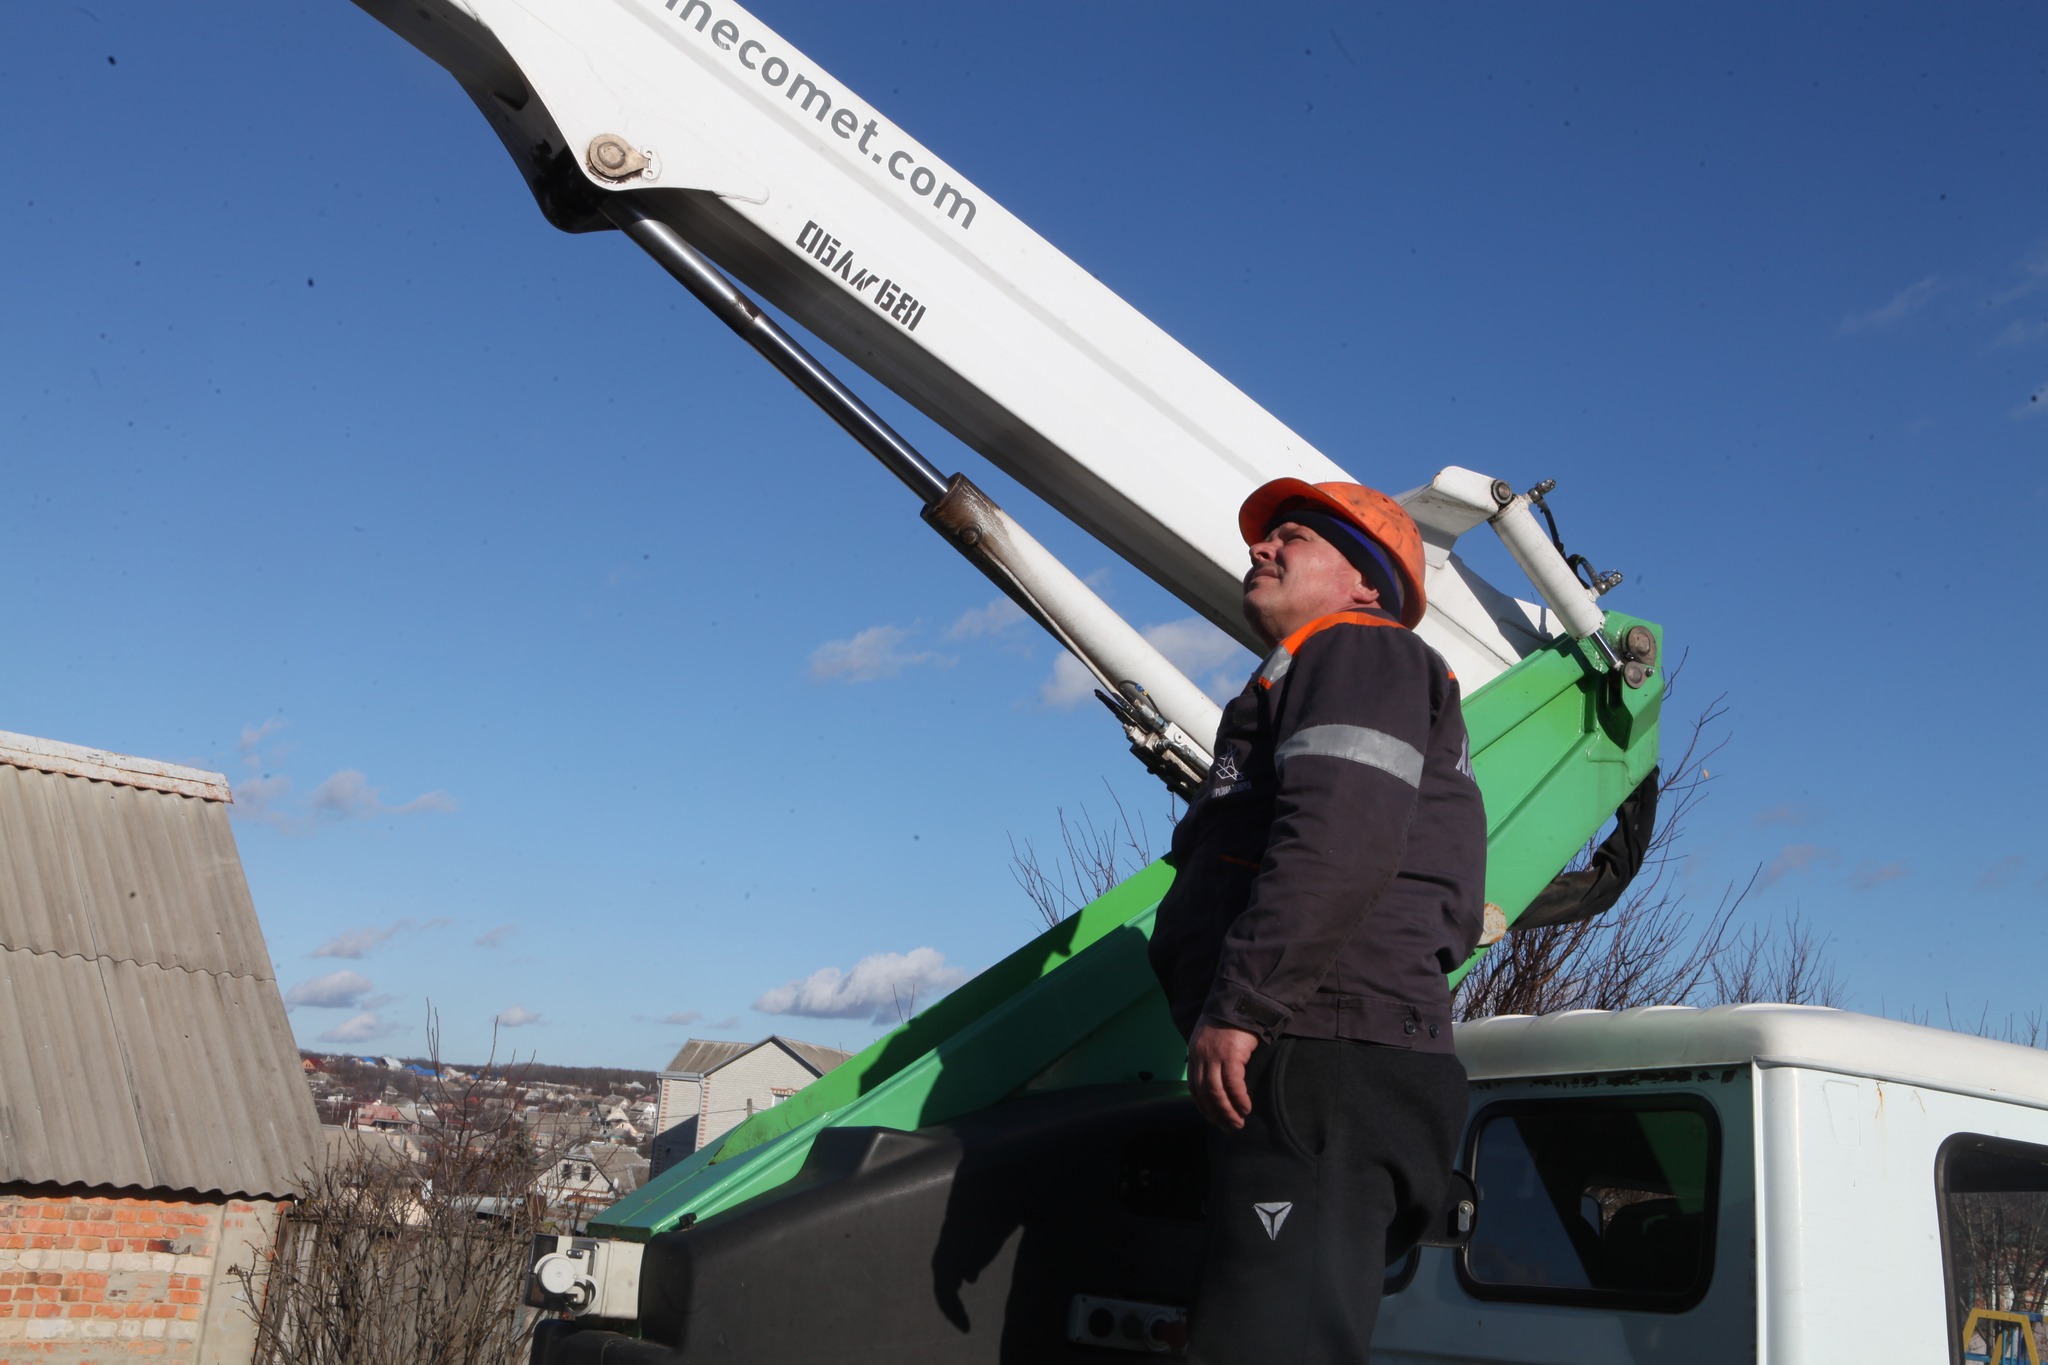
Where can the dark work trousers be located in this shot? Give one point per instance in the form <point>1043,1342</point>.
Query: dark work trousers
<point>1340,1168</point>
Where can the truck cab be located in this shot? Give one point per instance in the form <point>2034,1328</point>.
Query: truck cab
<point>1771,1183</point>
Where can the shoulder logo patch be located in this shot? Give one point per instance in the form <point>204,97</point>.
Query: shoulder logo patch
<point>1271,1216</point>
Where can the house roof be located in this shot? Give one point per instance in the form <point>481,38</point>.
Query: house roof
<point>142,1036</point>
<point>700,1055</point>
<point>1660,1037</point>
<point>818,1059</point>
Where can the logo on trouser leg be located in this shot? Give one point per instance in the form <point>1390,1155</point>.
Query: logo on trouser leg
<point>1271,1216</point>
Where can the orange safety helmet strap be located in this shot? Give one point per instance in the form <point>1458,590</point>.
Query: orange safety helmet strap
<point>1368,509</point>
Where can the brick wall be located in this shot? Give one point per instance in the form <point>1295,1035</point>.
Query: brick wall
<point>99,1277</point>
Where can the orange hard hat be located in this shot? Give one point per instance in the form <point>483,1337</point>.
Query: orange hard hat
<point>1371,511</point>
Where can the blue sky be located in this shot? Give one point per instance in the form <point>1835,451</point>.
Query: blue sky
<point>626,726</point>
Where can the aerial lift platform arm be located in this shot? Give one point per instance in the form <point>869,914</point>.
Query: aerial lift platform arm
<point>740,165</point>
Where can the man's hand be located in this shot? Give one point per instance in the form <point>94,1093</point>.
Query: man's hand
<point>1217,1055</point>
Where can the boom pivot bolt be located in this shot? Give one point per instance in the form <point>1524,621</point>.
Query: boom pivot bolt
<point>613,158</point>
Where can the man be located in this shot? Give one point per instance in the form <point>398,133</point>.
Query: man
<point>1329,873</point>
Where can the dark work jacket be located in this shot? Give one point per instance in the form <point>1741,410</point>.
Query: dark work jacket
<point>1331,869</point>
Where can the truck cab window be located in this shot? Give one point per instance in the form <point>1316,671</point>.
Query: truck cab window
<point>1607,1200</point>
<point>1994,1234</point>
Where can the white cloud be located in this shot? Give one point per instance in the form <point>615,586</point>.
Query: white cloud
<point>1866,876</point>
<point>342,990</point>
<point>1214,661</point>
<point>2033,275</point>
<point>495,938</point>
<point>995,618</point>
<point>257,799</point>
<point>358,1028</point>
<point>2000,874</point>
<point>356,943</point>
<point>254,735</point>
<point>884,987</point>
<point>873,654</point>
<point>681,1018</point>
<point>518,1016</point>
<point>348,795</point>
<point>1793,858</point>
<point>1903,305</point>
<point>2019,332</point>
<point>1069,685</point>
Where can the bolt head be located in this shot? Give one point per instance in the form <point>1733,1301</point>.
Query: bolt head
<point>611,157</point>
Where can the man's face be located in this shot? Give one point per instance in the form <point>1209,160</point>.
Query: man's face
<point>1296,577</point>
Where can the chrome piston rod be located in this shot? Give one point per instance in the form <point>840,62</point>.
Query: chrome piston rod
<point>1167,717</point>
<point>708,283</point>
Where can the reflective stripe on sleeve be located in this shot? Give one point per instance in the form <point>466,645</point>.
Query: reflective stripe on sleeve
<point>1373,748</point>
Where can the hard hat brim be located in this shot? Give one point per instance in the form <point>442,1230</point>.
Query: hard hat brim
<point>1267,499</point>
<point>1263,506</point>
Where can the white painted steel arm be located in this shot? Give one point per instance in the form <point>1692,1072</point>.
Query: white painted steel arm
<point>718,126</point>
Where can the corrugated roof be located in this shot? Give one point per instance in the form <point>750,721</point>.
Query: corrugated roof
<point>700,1055</point>
<point>143,1042</point>
<point>94,869</point>
<point>818,1059</point>
<point>55,756</point>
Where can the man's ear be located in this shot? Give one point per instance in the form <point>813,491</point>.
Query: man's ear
<point>1364,595</point>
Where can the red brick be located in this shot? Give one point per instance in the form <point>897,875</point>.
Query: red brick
<point>103,1213</point>
<point>49,1310</point>
<point>184,1296</point>
<point>78,1310</point>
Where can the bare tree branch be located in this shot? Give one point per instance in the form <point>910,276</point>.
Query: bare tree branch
<point>1647,949</point>
<point>1094,858</point>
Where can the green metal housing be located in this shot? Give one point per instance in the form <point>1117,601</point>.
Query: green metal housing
<point>1558,742</point>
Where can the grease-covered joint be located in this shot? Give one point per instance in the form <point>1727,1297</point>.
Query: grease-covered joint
<point>972,521</point>
<point>965,514</point>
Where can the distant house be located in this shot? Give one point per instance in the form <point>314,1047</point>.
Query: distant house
<point>154,1116</point>
<point>712,1087</point>
<point>588,1179</point>
<point>386,1118</point>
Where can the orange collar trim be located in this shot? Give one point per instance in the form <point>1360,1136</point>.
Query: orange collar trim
<point>1293,643</point>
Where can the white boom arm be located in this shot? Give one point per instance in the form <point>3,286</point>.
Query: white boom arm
<point>695,116</point>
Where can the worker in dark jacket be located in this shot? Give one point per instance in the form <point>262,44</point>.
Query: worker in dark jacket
<point>1329,874</point>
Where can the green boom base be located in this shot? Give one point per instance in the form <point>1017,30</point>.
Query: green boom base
<point>1558,742</point>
